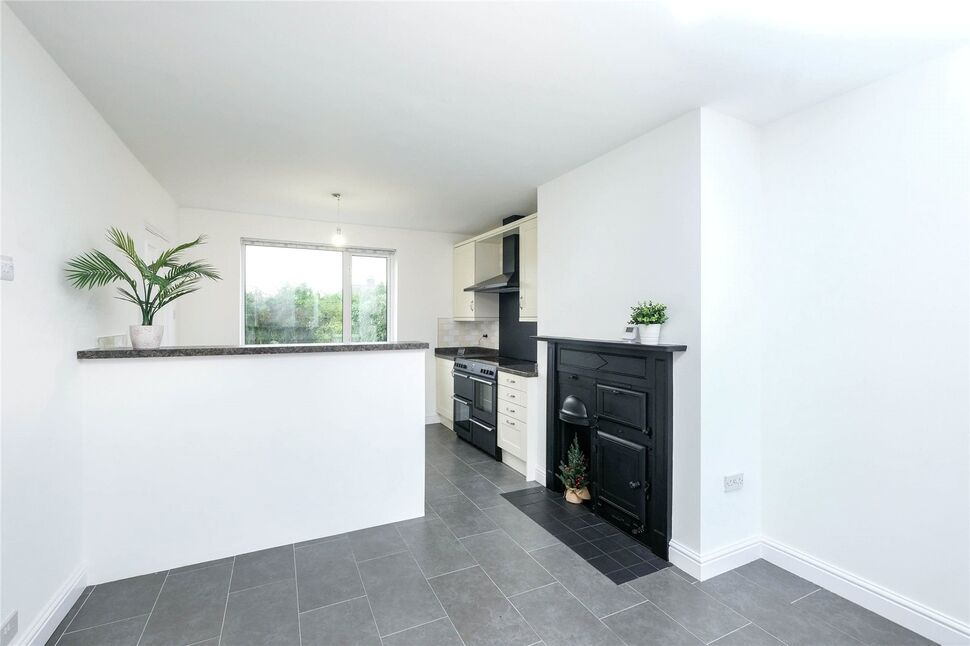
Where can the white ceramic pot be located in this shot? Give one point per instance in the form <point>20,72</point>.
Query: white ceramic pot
<point>650,334</point>
<point>146,337</point>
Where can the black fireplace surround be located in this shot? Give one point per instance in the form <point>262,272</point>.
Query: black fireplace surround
<point>616,398</point>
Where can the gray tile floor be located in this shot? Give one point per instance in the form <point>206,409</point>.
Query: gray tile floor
<point>475,570</point>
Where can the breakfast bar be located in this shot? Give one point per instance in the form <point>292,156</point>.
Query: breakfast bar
<point>243,448</point>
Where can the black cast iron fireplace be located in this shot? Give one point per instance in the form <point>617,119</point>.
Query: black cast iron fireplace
<point>616,398</point>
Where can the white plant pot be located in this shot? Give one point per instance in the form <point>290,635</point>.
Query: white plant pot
<point>146,337</point>
<point>650,334</point>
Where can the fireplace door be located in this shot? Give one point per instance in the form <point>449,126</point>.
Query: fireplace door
<point>622,482</point>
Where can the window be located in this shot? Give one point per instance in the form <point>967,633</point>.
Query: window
<point>295,293</point>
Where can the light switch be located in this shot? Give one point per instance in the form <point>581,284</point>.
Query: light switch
<point>6,268</point>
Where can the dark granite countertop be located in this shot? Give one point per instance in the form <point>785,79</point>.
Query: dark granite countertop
<point>515,366</point>
<point>468,352</point>
<point>660,347</point>
<point>490,355</point>
<point>232,350</point>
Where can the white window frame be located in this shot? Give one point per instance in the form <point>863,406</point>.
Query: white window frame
<point>347,296</point>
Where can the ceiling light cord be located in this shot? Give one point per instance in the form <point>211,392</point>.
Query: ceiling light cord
<point>338,236</point>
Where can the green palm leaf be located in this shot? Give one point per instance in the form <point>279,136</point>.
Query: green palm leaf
<point>94,269</point>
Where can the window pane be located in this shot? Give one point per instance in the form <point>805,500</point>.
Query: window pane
<point>368,313</point>
<point>293,295</point>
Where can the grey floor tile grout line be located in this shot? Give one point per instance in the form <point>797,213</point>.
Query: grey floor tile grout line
<point>755,583</point>
<point>639,603</point>
<point>461,569</point>
<point>438,599</point>
<point>424,623</point>
<point>750,623</point>
<point>360,576</point>
<point>511,603</point>
<point>107,623</point>
<point>489,531</point>
<point>337,603</point>
<point>261,585</point>
<point>538,587</point>
<point>374,558</point>
<point>150,612</point>
<point>296,588</point>
<point>804,596</point>
<point>689,631</point>
<point>81,607</point>
<point>225,610</point>
<point>554,578</point>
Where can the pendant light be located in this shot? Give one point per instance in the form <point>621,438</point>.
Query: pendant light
<point>338,236</point>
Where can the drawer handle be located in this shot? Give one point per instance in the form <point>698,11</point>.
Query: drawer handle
<point>510,422</point>
<point>510,409</point>
<point>511,381</point>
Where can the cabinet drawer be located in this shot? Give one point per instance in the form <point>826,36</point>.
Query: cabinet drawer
<point>511,435</point>
<point>511,394</point>
<point>512,410</point>
<point>512,381</point>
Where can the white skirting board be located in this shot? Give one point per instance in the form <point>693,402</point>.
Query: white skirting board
<point>709,565</point>
<point>895,607</point>
<point>432,419</point>
<point>43,626</point>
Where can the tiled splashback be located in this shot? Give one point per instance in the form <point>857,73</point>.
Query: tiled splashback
<point>453,334</point>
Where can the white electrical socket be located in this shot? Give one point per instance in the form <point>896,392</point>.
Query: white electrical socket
<point>733,482</point>
<point>9,629</point>
<point>6,268</point>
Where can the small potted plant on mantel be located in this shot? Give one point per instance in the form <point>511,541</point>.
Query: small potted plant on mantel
<point>161,281</point>
<point>649,317</point>
<point>573,474</point>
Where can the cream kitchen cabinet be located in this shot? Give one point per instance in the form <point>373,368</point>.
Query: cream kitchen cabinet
<point>444,390</point>
<point>475,261</point>
<point>518,422</point>
<point>528,266</point>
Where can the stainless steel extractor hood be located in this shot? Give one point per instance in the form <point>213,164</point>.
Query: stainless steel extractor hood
<point>497,284</point>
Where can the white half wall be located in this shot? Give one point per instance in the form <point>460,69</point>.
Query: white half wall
<point>627,227</point>
<point>867,334</point>
<point>247,452</point>
<point>423,273</point>
<point>66,177</point>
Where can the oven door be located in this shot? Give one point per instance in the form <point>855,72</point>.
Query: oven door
<point>484,401</point>
<point>462,417</point>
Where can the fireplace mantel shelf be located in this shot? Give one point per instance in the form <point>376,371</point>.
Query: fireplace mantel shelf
<point>660,347</point>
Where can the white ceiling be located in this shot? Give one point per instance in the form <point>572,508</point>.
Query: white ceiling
<point>435,115</point>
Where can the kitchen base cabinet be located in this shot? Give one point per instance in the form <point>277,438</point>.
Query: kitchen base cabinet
<point>444,390</point>
<point>517,406</point>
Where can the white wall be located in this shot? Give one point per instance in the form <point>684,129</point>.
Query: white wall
<point>66,177</point>
<point>423,274</point>
<point>730,330</point>
<point>627,227</point>
<point>866,324</point>
<point>250,452</point>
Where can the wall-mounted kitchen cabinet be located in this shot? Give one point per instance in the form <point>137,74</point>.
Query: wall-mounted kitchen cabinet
<point>528,268</point>
<point>475,261</point>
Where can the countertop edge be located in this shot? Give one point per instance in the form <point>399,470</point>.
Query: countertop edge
<point>246,350</point>
<point>450,353</point>
<point>660,347</point>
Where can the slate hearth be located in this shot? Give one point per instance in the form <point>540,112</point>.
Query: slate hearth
<point>602,545</point>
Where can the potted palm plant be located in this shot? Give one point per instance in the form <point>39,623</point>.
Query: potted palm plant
<point>154,285</point>
<point>649,317</point>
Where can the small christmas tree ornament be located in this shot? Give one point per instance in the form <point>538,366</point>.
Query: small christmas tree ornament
<point>573,474</point>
